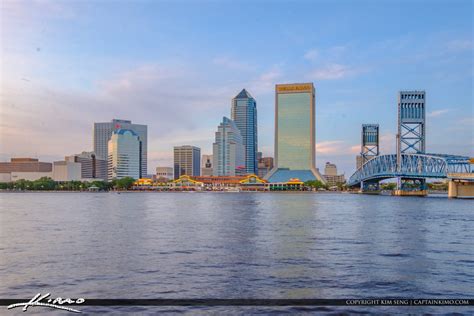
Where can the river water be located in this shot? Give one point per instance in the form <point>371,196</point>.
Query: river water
<point>236,245</point>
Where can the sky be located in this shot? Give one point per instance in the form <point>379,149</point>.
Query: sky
<point>176,65</point>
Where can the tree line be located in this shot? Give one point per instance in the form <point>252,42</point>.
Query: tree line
<point>48,184</point>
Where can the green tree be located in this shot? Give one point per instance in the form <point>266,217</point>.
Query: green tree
<point>124,183</point>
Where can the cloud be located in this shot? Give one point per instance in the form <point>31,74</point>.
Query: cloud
<point>459,45</point>
<point>231,63</point>
<point>331,147</point>
<point>333,71</point>
<point>311,55</point>
<point>438,112</point>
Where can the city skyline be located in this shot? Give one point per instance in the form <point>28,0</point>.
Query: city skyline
<point>54,89</point>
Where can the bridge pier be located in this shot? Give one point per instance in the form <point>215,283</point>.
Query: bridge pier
<point>369,187</point>
<point>461,185</point>
<point>410,187</point>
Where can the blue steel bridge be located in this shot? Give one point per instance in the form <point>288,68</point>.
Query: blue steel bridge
<point>412,166</point>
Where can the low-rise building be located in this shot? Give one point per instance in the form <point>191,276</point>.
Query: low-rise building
<point>92,167</point>
<point>331,176</point>
<point>164,173</point>
<point>66,171</point>
<point>24,169</point>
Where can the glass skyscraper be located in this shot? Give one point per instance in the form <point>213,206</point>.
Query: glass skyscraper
<point>228,152</point>
<point>123,154</point>
<point>187,161</point>
<point>244,114</point>
<point>294,134</point>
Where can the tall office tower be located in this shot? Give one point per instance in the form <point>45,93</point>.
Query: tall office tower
<point>369,142</point>
<point>228,150</point>
<point>187,161</point>
<point>103,132</point>
<point>124,155</point>
<point>91,166</point>
<point>206,165</point>
<point>244,114</point>
<point>294,134</point>
<point>411,122</point>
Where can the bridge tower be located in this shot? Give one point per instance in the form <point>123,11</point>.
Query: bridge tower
<point>369,149</point>
<point>411,132</point>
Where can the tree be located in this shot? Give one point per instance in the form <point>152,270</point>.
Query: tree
<point>124,183</point>
<point>315,184</point>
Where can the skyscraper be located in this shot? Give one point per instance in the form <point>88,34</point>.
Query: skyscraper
<point>244,114</point>
<point>187,161</point>
<point>294,134</point>
<point>103,133</point>
<point>124,155</point>
<point>228,150</point>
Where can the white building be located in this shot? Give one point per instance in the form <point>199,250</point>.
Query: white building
<point>228,150</point>
<point>103,132</point>
<point>164,172</point>
<point>66,171</point>
<point>124,155</point>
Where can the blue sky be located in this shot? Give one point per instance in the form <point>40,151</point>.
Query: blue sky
<point>175,65</point>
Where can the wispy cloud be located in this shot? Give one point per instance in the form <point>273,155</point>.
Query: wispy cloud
<point>438,112</point>
<point>232,63</point>
<point>311,55</point>
<point>333,71</point>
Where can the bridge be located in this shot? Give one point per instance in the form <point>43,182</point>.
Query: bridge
<point>411,165</point>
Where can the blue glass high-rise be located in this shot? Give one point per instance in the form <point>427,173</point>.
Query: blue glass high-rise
<point>244,114</point>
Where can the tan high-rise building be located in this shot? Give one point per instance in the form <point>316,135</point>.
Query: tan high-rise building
<point>294,133</point>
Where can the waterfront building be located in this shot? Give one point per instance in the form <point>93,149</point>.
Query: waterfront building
<point>331,176</point>
<point>124,155</point>
<point>228,150</point>
<point>330,169</point>
<point>206,165</point>
<point>92,167</point>
<point>187,161</point>
<point>24,169</point>
<point>294,134</point>
<point>265,164</point>
<point>66,171</point>
<point>244,115</point>
<point>103,132</point>
<point>165,173</point>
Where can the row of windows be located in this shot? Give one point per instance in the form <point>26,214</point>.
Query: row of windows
<point>412,112</point>
<point>413,96</point>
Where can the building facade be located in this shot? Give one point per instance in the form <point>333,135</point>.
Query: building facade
<point>265,164</point>
<point>187,161</point>
<point>66,171</point>
<point>92,167</point>
<point>103,133</point>
<point>24,169</point>
<point>244,115</point>
<point>294,134</point>
<point>124,155</point>
<point>228,150</point>
<point>331,176</point>
<point>206,165</point>
<point>164,173</point>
